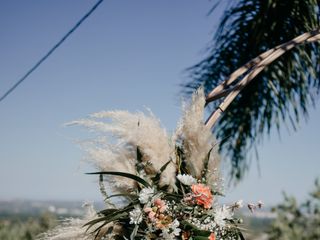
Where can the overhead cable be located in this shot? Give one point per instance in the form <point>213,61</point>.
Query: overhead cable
<point>24,77</point>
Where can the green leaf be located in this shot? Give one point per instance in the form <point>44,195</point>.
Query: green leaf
<point>127,195</point>
<point>127,175</point>
<point>139,155</point>
<point>139,165</point>
<point>104,192</point>
<point>134,232</point>
<point>110,212</point>
<point>156,178</point>
<point>201,237</point>
<point>202,233</point>
<point>206,163</point>
<point>241,236</point>
<point>110,215</point>
<point>105,220</point>
<point>197,233</point>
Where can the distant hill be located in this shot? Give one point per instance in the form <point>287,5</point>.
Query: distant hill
<point>30,208</point>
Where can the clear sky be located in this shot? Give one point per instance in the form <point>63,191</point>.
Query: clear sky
<point>127,55</point>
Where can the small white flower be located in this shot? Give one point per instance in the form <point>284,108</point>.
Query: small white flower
<point>221,214</point>
<point>135,215</point>
<point>186,179</point>
<point>260,204</point>
<point>145,195</point>
<point>174,227</point>
<point>238,204</point>
<point>171,231</point>
<point>252,207</point>
<point>166,235</point>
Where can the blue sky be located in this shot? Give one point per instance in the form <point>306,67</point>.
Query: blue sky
<point>127,55</point>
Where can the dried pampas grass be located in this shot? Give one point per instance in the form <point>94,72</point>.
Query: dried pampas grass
<point>107,157</point>
<point>196,138</point>
<point>131,130</point>
<point>134,153</point>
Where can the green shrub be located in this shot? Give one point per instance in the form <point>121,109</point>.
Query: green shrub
<point>19,229</point>
<point>297,222</point>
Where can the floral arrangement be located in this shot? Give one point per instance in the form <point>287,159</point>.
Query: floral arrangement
<point>155,186</point>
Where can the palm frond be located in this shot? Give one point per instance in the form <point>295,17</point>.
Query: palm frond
<point>284,91</point>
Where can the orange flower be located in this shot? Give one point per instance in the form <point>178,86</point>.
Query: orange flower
<point>163,221</point>
<point>202,195</point>
<point>212,237</point>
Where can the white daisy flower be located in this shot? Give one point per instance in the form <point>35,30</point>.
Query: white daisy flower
<point>186,179</point>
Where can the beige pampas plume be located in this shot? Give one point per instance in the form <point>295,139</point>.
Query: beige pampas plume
<point>72,228</point>
<point>197,138</point>
<point>109,157</point>
<point>134,130</point>
<point>213,173</point>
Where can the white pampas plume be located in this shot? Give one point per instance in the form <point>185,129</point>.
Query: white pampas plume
<point>196,138</point>
<point>107,157</point>
<point>137,130</point>
<point>72,228</point>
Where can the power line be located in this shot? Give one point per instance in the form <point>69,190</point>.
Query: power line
<point>51,50</point>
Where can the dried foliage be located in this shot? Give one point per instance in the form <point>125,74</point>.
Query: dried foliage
<point>131,130</point>
<point>195,137</point>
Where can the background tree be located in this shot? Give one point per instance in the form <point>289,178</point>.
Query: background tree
<point>25,227</point>
<point>297,222</point>
<point>283,92</point>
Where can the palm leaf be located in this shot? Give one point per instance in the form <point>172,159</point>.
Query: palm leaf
<point>126,195</point>
<point>283,92</point>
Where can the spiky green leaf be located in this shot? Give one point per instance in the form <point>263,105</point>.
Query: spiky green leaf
<point>127,175</point>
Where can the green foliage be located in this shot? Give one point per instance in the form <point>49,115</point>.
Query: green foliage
<point>16,229</point>
<point>283,92</point>
<point>297,222</point>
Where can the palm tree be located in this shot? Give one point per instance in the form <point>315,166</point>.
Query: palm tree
<point>283,92</point>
